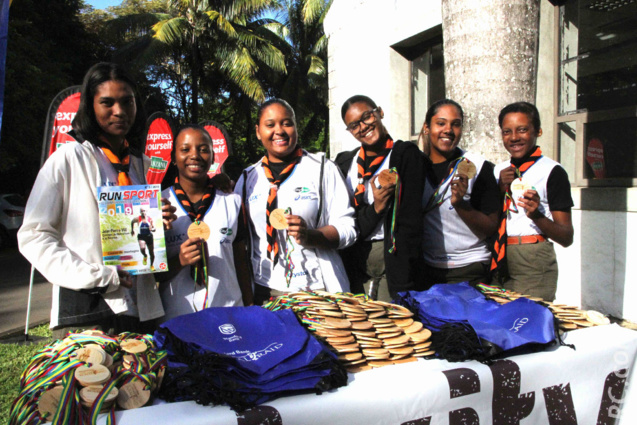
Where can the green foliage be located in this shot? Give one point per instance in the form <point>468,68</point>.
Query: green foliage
<point>13,360</point>
<point>47,51</point>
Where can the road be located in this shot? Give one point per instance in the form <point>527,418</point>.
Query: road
<point>15,271</point>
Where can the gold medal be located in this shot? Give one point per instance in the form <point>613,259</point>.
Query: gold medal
<point>277,219</point>
<point>518,187</point>
<point>467,168</point>
<point>387,177</point>
<point>199,230</point>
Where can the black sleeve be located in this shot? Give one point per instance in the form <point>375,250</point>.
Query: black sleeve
<point>241,228</point>
<point>403,266</point>
<point>367,220</point>
<point>558,190</point>
<point>485,196</point>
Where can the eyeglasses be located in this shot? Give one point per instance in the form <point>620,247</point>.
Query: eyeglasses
<point>368,117</point>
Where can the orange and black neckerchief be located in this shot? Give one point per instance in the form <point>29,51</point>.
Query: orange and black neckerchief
<point>498,260</point>
<point>120,163</point>
<point>273,245</point>
<point>199,270</point>
<point>366,171</point>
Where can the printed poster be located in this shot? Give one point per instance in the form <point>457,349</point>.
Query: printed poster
<point>132,229</point>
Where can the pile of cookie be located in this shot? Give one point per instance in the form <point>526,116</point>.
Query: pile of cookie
<point>364,333</point>
<point>99,371</point>
<point>570,317</point>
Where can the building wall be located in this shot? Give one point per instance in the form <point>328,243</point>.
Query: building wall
<point>361,60</point>
<point>596,271</point>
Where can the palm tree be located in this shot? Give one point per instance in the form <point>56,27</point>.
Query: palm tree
<point>304,43</point>
<point>197,38</point>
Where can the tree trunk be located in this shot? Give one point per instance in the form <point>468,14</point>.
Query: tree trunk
<point>490,49</point>
<point>195,80</point>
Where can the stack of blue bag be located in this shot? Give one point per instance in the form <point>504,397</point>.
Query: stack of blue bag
<point>466,325</point>
<point>243,356</point>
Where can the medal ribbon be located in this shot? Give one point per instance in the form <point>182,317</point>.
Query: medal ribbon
<point>56,363</point>
<point>200,270</point>
<point>273,245</point>
<point>289,269</point>
<point>120,163</point>
<point>365,172</point>
<point>498,260</point>
<point>438,197</point>
<point>397,195</point>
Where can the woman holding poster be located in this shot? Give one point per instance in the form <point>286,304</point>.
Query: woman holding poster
<point>207,260</point>
<point>61,231</point>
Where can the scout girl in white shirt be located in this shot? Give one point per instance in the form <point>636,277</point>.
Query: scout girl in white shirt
<point>306,194</point>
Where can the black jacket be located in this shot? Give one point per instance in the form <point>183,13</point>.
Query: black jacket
<point>403,266</point>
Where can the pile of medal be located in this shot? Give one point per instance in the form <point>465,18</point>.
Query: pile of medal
<point>570,317</point>
<point>73,380</point>
<point>364,333</point>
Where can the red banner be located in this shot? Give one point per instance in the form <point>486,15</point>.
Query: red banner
<point>220,144</point>
<point>159,143</point>
<point>61,114</point>
<point>595,158</point>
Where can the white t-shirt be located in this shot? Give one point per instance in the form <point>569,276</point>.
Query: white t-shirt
<point>180,295</point>
<point>518,224</point>
<point>352,181</point>
<point>447,241</point>
<point>313,268</point>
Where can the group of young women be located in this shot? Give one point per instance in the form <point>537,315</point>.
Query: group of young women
<point>383,213</point>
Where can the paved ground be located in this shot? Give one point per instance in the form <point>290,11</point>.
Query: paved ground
<point>14,290</point>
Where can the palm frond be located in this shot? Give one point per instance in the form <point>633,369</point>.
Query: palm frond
<point>171,30</point>
<point>139,23</point>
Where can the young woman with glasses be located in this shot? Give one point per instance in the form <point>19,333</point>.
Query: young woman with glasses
<point>386,256</point>
<point>461,202</point>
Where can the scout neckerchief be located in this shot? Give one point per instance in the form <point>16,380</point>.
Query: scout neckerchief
<point>498,260</point>
<point>366,171</point>
<point>273,245</point>
<point>441,190</point>
<point>120,163</point>
<point>199,270</point>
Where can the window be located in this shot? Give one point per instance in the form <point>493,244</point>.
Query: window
<point>424,51</point>
<point>597,123</point>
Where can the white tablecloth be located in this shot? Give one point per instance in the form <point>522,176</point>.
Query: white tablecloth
<point>559,386</point>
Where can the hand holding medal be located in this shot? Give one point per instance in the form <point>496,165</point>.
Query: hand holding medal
<point>465,171</point>
<point>524,195</point>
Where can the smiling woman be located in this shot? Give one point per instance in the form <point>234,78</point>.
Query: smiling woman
<point>206,246</point>
<point>385,259</point>
<point>462,202</point>
<point>61,232</point>
<point>297,249</point>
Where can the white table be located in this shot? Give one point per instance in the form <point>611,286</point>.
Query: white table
<point>568,386</point>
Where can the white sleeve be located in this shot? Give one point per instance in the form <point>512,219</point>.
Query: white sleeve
<point>338,210</point>
<point>41,240</point>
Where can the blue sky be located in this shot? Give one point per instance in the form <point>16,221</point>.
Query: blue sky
<point>103,4</point>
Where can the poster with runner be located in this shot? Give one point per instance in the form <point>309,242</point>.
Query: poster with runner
<point>132,229</point>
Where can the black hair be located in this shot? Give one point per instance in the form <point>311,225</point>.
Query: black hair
<point>525,108</point>
<point>272,101</point>
<point>85,123</point>
<point>355,99</point>
<point>423,139</point>
<point>191,126</point>
<point>433,109</point>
